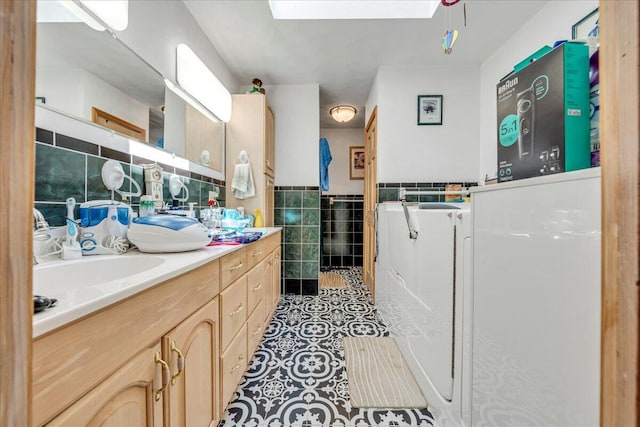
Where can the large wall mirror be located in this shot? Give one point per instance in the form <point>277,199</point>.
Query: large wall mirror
<point>94,77</point>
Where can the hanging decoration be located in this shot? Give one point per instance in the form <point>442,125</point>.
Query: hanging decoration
<point>450,36</point>
<point>464,13</point>
<point>448,40</point>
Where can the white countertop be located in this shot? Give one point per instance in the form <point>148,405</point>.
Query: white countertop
<point>538,180</point>
<point>79,297</point>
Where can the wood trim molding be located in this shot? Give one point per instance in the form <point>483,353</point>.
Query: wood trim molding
<point>17,151</point>
<point>619,135</point>
<point>117,124</point>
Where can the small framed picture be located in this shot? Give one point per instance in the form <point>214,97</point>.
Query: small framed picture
<point>356,162</point>
<point>429,110</point>
<point>586,27</point>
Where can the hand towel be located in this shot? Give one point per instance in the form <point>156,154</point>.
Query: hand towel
<point>242,182</point>
<point>325,159</point>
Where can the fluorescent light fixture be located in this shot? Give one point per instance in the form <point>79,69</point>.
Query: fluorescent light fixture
<point>98,14</point>
<point>113,13</point>
<point>343,113</point>
<point>81,14</point>
<point>53,11</point>
<point>353,9</point>
<point>198,81</point>
<point>187,98</point>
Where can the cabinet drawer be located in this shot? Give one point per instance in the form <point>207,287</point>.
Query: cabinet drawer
<point>271,242</point>
<point>232,266</point>
<point>233,310</point>
<point>255,253</point>
<point>255,286</point>
<point>234,364</point>
<point>255,328</point>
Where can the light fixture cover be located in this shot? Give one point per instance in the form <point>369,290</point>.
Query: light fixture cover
<point>198,81</point>
<point>81,14</point>
<point>353,9</point>
<point>113,13</point>
<point>343,113</point>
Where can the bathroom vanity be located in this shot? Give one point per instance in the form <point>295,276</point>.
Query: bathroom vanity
<point>169,352</point>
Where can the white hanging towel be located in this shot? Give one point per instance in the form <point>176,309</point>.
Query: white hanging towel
<point>242,182</point>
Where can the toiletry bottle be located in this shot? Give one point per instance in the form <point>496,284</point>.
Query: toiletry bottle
<point>258,223</point>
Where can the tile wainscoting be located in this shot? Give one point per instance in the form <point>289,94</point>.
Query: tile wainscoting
<point>297,211</point>
<point>342,224</point>
<point>388,192</point>
<point>70,167</point>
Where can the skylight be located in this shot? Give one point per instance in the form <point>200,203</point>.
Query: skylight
<point>353,9</point>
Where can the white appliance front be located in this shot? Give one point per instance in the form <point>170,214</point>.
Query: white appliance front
<point>536,302</point>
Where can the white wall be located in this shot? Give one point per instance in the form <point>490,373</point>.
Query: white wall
<point>55,84</point>
<point>296,110</point>
<point>552,23</point>
<point>174,123</point>
<point>372,100</point>
<point>411,153</point>
<point>339,142</point>
<point>155,30</point>
<point>99,94</point>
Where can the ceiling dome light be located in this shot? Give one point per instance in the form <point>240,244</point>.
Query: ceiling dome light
<point>343,113</point>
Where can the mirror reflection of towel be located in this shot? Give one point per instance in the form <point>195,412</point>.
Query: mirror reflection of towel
<point>242,183</point>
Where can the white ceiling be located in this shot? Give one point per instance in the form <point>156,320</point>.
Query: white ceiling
<point>342,56</point>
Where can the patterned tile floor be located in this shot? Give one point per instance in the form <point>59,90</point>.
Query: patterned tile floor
<point>297,377</point>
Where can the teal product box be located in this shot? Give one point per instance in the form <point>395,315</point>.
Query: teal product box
<point>543,115</point>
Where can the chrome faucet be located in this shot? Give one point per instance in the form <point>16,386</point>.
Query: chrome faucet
<point>40,227</point>
<point>39,223</point>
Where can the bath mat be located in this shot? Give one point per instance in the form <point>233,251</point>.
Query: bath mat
<point>331,281</point>
<point>378,375</point>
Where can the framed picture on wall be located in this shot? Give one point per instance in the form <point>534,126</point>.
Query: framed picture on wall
<point>429,110</point>
<point>586,27</point>
<point>356,162</point>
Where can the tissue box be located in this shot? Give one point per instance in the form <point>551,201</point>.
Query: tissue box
<point>543,115</point>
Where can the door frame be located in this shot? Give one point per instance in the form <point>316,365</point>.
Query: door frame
<point>370,202</point>
<point>619,136</point>
<point>17,164</point>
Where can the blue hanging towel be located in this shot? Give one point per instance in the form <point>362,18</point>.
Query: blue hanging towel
<point>325,159</point>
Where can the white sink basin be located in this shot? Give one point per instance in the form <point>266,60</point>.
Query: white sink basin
<point>88,274</point>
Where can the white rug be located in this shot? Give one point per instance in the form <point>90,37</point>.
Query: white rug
<point>379,376</point>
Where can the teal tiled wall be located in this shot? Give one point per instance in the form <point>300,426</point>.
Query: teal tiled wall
<point>68,167</point>
<point>297,211</point>
<point>388,192</point>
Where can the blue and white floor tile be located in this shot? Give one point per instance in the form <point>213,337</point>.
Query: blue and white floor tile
<point>297,377</point>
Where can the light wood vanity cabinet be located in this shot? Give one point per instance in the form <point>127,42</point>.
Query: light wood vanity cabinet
<point>252,129</point>
<point>192,352</point>
<point>125,398</point>
<point>168,356</point>
<point>185,394</point>
<point>242,311</point>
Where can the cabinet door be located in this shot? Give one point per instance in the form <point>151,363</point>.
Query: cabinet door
<point>268,286</point>
<point>270,146</point>
<point>192,352</point>
<point>255,286</point>
<point>268,213</point>
<point>233,310</point>
<point>127,398</point>
<point>277,276</point>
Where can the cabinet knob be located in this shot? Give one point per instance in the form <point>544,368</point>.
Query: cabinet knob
<point>236,311</point>
<point>180,362</point>
<point>237,266</point>
<point>257,287</point>
<point>166,375</point>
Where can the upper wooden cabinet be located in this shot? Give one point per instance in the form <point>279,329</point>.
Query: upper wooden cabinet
<point>252,129</point>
